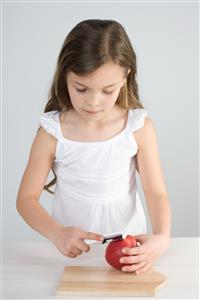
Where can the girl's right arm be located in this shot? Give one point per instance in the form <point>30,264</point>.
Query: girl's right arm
<point>69,240</point>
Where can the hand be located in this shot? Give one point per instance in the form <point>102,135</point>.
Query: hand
<point>142,257</point>
<point>70,240</point>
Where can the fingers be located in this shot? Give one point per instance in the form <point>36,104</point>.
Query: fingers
<point>91,236</point>
<point>79,249</point>
<point>71,254</point>
<point>143,269</point>
<point>74,244</point>
<point>134,250</point>
<point>133,259</point>
<point>135,267</point>
<point>83,246</point>
<point>76,250</point>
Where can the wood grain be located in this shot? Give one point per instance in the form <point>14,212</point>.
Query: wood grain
<point>106,281</point>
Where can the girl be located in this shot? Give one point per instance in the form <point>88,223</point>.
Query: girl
<point>94,134</point>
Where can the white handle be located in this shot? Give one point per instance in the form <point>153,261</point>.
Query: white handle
<point>90,242</point>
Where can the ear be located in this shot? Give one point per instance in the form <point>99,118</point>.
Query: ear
<point>123,82</point>
<point>125,78</point>
<point>128,71</point>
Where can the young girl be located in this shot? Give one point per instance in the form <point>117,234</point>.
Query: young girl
<point>94,134</point>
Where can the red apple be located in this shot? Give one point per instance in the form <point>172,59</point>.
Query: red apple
<point>114,251</point>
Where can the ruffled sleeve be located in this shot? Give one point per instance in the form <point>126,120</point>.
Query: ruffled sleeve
<point>50,122</point>
<point>136,120</point>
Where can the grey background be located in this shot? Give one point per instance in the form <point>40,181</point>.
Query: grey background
<point>164,36</point>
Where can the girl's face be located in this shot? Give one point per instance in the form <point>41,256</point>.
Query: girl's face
<point>94,96</point>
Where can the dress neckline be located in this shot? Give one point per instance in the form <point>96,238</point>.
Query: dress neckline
<point>93,142</point>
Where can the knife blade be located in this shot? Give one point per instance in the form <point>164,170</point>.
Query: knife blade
<point>120,236</point>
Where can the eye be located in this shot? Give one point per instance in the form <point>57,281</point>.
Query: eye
<point>108,93</point>
<point>81,91</point>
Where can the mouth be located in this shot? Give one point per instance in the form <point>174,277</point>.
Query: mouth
<point>92,112</point>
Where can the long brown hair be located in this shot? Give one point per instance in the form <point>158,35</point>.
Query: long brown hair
<point>89,45</point>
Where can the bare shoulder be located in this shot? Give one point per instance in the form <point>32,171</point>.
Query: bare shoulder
<point>39,164</point>
<point>45,142</point>
<point>146,133</point>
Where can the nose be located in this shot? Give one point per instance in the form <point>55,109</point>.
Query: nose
<point>93,101</point>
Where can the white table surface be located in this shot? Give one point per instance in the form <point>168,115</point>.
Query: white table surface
<point>32,270</point>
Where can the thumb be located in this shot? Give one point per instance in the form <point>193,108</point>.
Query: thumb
<point>141,238</point>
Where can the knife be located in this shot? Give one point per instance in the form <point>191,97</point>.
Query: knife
<point>114,237</point>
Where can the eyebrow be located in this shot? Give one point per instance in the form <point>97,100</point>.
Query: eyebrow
<point>87,86</point>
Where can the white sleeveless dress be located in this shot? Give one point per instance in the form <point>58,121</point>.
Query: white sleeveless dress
<point>96,185</point>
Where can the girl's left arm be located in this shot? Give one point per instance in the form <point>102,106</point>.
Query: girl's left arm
<point>149,168</point>
<point>152,179</point>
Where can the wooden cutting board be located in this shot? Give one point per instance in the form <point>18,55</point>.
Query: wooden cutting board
<point>106,281</point>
